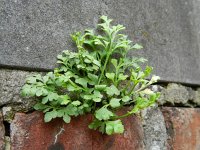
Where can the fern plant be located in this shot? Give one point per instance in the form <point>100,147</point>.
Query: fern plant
<point>99,79</point>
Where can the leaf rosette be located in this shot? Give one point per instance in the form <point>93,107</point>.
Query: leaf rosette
<point>98,78</point>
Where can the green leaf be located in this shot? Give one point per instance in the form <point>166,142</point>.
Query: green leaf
<point>26,90</point>
<point>110,76</point>
<point>76,103</point>
<point>115,102</point>
<point>65,101</point>
<point>87,60</point>
<point>82,81</point>
<point>114,62</point>
<point>95,124</point>
<point>137,46</point>
<point>109,129</point>
<point>142,102</point>
<point>96,99</point>
<point>71,110</point>
<point>112,90</point>
<point>114,127</point>
<point>50,115</point>
<point>45,100</point>
<point>148,71</point>
<point>93,77</point>
<point>60,113</point>
<point>31,80</point>
<point>100,87</point>
<point>102,128</point>
<point>96,62</point>
<point>71,88</point>
<point>67,118</point>
<point>126,98</point>
<point>46,109</point>
<point>53,96</point>
<point>39,92</point>
<point>39,106</point>
<point>32,91</point>
<point>122,77</point>
<point>99,42</point>
<point>87,97</point>
<point>118,127</point>
<point>45,79</point>
<point>97,94</point>
<point>103,114</point>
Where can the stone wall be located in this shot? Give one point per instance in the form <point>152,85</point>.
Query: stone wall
<point>158,129</point>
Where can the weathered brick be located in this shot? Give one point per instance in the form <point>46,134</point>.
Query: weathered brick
<point>28,131</point>
<point>132,139</point>
<point>183,127</point>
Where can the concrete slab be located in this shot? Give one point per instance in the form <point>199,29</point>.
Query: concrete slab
<point>34,32</point>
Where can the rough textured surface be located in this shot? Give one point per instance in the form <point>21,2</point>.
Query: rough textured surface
<point>11,82</point>
<point>176,94</point>
<point>197,96</point>
<point>8,114</point>
<point>27,128</point>
<point>34,32</point>
<point>7,143</point>
<point>2,132</point>
<point>183,128</point>
<point>155,135</point>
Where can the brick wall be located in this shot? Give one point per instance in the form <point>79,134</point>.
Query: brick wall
<point>173,124</point>
<point>158,129</point>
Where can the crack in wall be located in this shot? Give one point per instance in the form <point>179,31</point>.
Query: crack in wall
<point>59,133</point>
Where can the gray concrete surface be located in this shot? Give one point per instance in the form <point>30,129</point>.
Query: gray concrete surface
<point>34,32</point>
<point>11,82</point>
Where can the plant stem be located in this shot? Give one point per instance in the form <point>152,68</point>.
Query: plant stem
<point>132,89</point>
<point>143,88</point>
<point>122,116</point>
<point>104,67</point>
<point>134,110</point>
<point>75,85</point>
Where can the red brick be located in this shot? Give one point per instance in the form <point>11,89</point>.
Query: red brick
<point>28,131</point>
<point>183,127</point>
<point>131,139</point>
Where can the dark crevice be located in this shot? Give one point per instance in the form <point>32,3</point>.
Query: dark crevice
<point>7,128</point>
<point>189,104</point>
<point>37,69</point>
<point>30,111</point>
<point>166,82</point>
<point>24,68</point>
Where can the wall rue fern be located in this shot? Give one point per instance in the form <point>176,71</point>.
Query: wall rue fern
<point>99,79</point>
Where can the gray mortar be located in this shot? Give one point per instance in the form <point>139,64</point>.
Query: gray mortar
<point>197,97</point>
<point>155,134</point>
<point>177,94</point>
<point>174,93</point>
